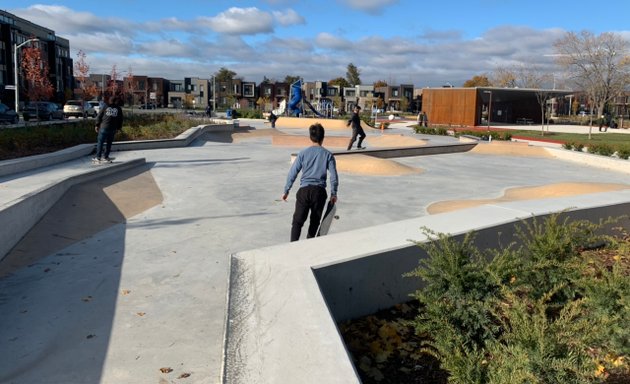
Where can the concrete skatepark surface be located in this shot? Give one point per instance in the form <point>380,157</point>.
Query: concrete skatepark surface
<point>140,298</point>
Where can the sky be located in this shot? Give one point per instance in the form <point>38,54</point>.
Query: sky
<point>425,43</point>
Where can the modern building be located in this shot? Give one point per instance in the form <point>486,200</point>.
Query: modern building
<point>470,106</point>
<point>55,55</point>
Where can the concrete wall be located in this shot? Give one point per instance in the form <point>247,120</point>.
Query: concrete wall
<point>284,301</point>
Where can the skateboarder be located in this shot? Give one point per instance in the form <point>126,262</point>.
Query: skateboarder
<point>355,122</point>
<point>108,121</point>
<point>315,163</point>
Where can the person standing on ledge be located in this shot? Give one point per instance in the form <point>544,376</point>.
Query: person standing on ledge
<point>108,121</point>
<point>315,163</point>
<point>355,122</point>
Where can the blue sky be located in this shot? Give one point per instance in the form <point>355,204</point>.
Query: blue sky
<point>399,41</point>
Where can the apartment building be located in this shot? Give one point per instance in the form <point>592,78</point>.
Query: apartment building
<point>55,55</point>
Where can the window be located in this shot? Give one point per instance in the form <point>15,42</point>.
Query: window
<point>351,93</point>
<point>248,90</point>
<point>395,93</point>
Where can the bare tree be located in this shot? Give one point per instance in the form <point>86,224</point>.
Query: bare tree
<point>529,76</point>
<point>598,65</point>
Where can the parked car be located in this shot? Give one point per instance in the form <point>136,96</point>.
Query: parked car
<point>8,115</point>
<point>74,108</point>
<point>42,110</point>
<point>92,108</point>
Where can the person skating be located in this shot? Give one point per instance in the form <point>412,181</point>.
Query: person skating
<point>357,130</point>
<point>108,121</point>
<point>315,163</point>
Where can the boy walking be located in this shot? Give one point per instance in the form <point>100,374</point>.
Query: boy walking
<point>315,162</point>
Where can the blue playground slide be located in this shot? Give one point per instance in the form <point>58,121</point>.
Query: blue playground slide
<point>296,97</point>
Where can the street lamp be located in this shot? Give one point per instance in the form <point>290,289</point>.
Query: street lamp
<point>15,71</point>
<point>489,113</point>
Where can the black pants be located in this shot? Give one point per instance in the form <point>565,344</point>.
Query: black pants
<point>310,198</point>
<point>356,132</point>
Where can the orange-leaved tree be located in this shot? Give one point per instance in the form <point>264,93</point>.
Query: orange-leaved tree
<point>36,74</point>
<point>82,74</point>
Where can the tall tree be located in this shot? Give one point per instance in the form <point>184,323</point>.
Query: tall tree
<point>82,74</point>
<point>36,74</point>
<point>597,65</point>
<point>353,75</point>
<point>225,74</point>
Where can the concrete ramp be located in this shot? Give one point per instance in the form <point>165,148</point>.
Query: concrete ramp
<point>305,122</point>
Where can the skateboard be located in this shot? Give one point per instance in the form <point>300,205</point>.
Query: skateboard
<point>329,215</point>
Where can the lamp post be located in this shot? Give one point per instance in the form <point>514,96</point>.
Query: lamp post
<point>15,71</point>
<point>489,113</point>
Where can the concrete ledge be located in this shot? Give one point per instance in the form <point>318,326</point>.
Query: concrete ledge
<point>284,301</point>
<point>424,150</point>
<point>591,160</point>
<point>26,211</point>
<point>9,167</point>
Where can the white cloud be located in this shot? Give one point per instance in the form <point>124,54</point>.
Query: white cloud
<point>329,41</point>
<point>65,21</point>
<point>374,7</point>
<point>289,17</point>
<point>240,21</point>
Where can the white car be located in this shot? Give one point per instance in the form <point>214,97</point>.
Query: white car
<point>93,107</point>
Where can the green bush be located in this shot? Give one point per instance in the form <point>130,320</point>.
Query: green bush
<point>623,152</point>
<point>249,113</point>
<point>568,145</point>
<point>533,313</point>
<point>43,138</point>
<point>578,147</point>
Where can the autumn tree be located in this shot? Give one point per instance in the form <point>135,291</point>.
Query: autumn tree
<point>291,79</point>
<point>353,75</point>
<point>477,81</point>
<point>598,65</point>
<point>380,83</point>
<point>36,74</point>
<point>82,74</point>
<point>340,82</point>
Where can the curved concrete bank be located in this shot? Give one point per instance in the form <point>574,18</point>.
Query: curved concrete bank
<point>27,210</point>
<point>284,301</point>
<point>24,212</point>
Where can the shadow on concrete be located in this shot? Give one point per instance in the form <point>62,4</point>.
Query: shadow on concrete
<point>60,284</point>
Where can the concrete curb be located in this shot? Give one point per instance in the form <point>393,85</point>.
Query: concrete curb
<point>597,161</point>
<point>285,301</point>
<point>21,214</point>
<point>13,166</point>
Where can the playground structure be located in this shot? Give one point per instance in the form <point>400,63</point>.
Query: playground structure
<point>297,104</point>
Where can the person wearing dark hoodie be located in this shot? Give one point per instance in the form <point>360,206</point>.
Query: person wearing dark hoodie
<point>108,122</point>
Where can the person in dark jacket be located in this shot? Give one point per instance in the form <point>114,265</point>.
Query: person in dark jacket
<point>316,164</point>
<point>357,130</point>
<point>108,121</point>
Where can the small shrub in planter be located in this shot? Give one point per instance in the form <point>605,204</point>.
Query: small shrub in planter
<point>605,150</point>
<point>568,145</point>
<point>578,147</point>
<point>623,152</point>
